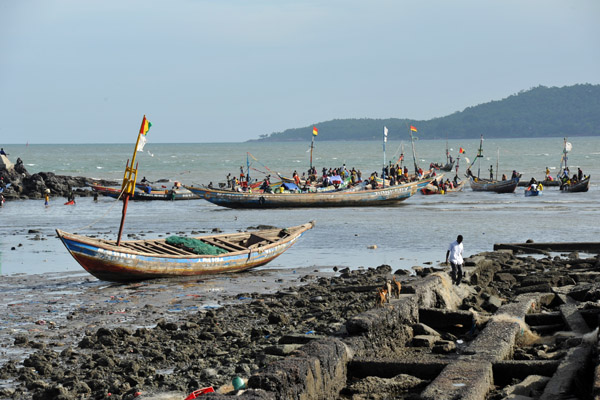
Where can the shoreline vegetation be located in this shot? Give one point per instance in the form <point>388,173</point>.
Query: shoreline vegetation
<point>309,333</point>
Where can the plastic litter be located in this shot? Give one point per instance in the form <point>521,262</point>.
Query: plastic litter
<point>238,383</point>
<point>200,392</point>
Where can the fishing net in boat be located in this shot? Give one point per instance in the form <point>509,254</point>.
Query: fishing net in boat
<point>195,245</point>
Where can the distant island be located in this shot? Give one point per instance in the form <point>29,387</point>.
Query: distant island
<point>538,112</point>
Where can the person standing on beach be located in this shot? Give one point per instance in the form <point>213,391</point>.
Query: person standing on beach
<point>491,173</point>
<point>454,255</point>
<point>47,198</point>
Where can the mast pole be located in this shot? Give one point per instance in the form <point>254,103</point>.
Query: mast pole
<point>413,151</point>
<point>479,156</point>
<point>447,152</point>
<point>497,163</point>
<point>129,179</point>
<point>385,131</point>
<point>312,144</point>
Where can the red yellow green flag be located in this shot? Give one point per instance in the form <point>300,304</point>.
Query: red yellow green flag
<point>146,125</point>
<point>461,150</point>
<point>413,129</point>
<point>315,131</point>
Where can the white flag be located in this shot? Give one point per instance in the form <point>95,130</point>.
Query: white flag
<point>385,132</point>
<point>568,146</point>
<point>141,143</point>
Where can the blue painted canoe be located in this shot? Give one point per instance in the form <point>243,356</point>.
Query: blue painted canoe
<point>344,198</point>
<point>135,260</point>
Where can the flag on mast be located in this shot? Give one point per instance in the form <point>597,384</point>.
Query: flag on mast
<point>413,129</point>
<point>385,132</point>
<point>315,131</point>
<point>146,125</point>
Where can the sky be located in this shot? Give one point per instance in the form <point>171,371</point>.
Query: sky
<point>75,71</point>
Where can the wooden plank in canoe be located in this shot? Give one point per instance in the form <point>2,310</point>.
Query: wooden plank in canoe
<point>224,244</point>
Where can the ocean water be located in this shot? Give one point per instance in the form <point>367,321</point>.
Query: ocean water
<point>413,233</point>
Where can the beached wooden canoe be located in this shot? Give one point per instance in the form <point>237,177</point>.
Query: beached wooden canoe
<point>344,198</point>
<point>135,260</point>
<point>484,185</point>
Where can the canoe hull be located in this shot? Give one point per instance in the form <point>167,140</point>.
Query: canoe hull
<point>431,189</point>
<point>578,187</point>
<point>375,197</point>
<point>177,194</point>
<point>507,186</point>
<point>532,193</point>
<point>117,264</point>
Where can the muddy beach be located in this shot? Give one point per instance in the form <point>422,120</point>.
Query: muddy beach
<point>69,336</point>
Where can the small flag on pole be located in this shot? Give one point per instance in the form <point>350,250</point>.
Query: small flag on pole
<point>385,132</point>
<point>146,125</point>
<point>461,150</point>
<point>413,129</point>
<point>315,131</point>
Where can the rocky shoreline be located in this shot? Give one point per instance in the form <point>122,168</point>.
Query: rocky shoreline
<point>126,342</point>
<point>17,183</point>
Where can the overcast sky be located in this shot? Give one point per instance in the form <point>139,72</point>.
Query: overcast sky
<point>75,71</point>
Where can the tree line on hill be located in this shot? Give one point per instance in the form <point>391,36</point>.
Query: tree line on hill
<point>538,112</point>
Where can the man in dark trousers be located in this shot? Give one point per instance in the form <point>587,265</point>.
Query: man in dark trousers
<point>454,255</point>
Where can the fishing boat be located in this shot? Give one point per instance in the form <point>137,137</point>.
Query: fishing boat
<point>133,260</point>
<point>485,185</point>
<point>449,161</point>
<point>529,192</point>
<point>491,185</point>
<point>389,195</point>
<point>153,194</point>
<point>568,184</point>
<point>432,189</point>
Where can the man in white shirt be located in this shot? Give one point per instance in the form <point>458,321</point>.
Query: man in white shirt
<point>454,255</point>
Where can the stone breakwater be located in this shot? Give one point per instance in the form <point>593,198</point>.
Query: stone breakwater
<point>518,327</point>
<point>18,183</point>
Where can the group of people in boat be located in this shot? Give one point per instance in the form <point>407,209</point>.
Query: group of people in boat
<point>514,175</point>
<point>444,186</point>
<point>534,185</point>
<point>566,180</point>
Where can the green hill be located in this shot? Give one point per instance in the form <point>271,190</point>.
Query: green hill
<point>538,112</point>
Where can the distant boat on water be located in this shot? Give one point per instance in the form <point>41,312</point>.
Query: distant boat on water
<point>491,185</point>
<point>389,195</point>
<point>577,183</point>
<point>166,194</point>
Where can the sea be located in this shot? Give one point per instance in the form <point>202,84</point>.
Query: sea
<point>414,233</point>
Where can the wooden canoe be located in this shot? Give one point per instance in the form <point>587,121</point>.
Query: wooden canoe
<point>136,260</point>
<point>531,193</point>
<point>166,194</point>
<point>581,186</point>
<point>344,198</point>
<point>432,189</point>
<point>484,185</point>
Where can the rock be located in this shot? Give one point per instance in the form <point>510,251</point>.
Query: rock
<point>424,340</point>
<point>422,329</point>
<point>444,347</point>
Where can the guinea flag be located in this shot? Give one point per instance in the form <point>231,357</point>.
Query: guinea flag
<point>315,131</point>
<point>146,125</point>
<point>461,150</point>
